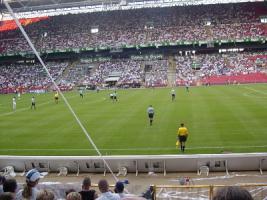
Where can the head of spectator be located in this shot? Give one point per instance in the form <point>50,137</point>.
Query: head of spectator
<point>103,186</point>
<point>74,196</point>
<point>10,185</point>
<point>87,193</point>
<point>86,183</point>
<point>7,196</point>
<point>105,193</point>
<point>32,179</point>
<point>45,195</point>
<point>119,187</point>
<point>69,191</point>
<point>232,193</point>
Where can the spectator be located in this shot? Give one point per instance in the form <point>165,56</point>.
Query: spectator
<point>45,195</point>
<point>6,196</point>
<point>87,193</point>
<point>119,188</point>
<point>105,193</point>
<point>74,196</point>
<point>10,185</point>
<point>30,191</point>
<point>232,193</point>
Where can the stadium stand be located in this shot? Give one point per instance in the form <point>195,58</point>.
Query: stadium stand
<point>138,27</point>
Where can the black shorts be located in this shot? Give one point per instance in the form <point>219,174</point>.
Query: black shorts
<point>173,95</point>
<point>33,104</point>
<point>151,115</point>
<point>56,98</point>
<point>182,138</point>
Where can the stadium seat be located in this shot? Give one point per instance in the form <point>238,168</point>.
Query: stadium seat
<point>63,171</point>
<point>203,169</point>
<point>122,171</point>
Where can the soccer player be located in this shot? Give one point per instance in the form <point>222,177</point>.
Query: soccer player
<point>33,103</point>
<point>18,95</point>
<point>150,112</point>
<point>182,134</point>
<point>187,84</point>
<point>56,98</point>
<point>115,96</point>
<point>173,94</point>
<point>81,93</point>
<point>111,96</point>
<point>14,104</point>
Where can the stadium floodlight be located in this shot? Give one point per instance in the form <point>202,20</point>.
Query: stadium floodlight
<point>264,19</point>
<point>94,30</point>
<point>208,23</point>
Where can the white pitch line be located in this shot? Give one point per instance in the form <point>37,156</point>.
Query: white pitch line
<point>254,90</point>
<point>137,149</point>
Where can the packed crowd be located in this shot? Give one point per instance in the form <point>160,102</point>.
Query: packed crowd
<point>133,72</point>
<point>157,76</point>
<point>137,27</point>
<point>128,71</point>
<point>196,67</point>
<point>29,75</point>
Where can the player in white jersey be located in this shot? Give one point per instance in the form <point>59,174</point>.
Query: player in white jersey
<point>187,84</point>
<point>150,112</point>
<point>14,103</point>
<point>81,93</point>
<point>33,103</point>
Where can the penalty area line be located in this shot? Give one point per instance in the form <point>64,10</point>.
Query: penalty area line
<point>254,90</point>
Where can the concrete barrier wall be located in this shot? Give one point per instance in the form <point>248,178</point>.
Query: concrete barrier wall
<point>142,163</point>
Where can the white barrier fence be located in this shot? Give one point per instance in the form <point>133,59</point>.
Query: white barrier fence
<point>200,163</point>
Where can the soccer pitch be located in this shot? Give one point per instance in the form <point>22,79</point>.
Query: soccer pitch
<point>219,119</point>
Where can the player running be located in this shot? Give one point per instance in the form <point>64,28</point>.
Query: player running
<point>150,112</point>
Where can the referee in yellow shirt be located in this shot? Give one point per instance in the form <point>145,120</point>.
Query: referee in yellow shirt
<point>182,134</point>
<point>56,98</point>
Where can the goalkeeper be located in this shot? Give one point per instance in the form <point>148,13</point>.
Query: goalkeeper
<point>182,135</point>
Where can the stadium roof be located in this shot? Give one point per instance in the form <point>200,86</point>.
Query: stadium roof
<point>55,7</point>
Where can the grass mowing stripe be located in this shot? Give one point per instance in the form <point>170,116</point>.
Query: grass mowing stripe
<point>137,149</point>
<point>213,115</point>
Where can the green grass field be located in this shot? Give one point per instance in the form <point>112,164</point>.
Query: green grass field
<point>219,119</point>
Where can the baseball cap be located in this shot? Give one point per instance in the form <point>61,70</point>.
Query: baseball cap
<point>33,175</point>
<point>119,186</point>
